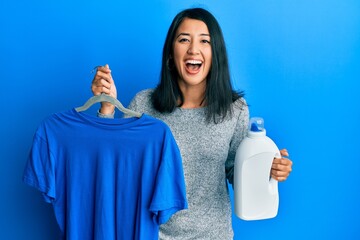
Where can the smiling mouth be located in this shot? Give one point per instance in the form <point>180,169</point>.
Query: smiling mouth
<point>193,66</point>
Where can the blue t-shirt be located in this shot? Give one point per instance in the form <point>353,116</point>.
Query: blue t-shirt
<point>107,178</point>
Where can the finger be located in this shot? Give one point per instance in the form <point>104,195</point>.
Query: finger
<point>284,152</point>
<point>102,75</point>
<point>105,68</point>
<point>281,168</point>
<point>111,81</point>
<point>282,161</point>
<point>279,173</point>
<point>103,72</point>
<point>279,179</point>
<point>279,176</point>
<point>283,165</point>
<point>98,90</point>
<point>101,86</point>
<point>101,83</point>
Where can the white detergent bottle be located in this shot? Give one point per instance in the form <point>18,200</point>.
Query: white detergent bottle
<point>256,195</point>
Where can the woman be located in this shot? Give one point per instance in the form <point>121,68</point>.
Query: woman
<point>208,120</point>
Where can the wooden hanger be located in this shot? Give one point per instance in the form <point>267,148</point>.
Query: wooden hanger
<point>107,98</point>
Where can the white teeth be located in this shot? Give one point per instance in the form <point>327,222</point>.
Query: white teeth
<point>193,62</point>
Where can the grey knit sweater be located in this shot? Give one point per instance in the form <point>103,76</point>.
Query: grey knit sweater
<point>208,152</point>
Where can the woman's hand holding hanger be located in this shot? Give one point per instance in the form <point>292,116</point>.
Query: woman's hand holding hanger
<point>104,83</point>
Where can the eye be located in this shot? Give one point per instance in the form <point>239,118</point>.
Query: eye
<point>205,41</point>
<point>183,40</point>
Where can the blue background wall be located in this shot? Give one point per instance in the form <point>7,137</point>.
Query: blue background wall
<point>298,62</point>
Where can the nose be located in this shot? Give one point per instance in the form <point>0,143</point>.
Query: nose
<point>193,48</point>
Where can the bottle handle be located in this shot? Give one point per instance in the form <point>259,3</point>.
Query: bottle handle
<point>273,183</point>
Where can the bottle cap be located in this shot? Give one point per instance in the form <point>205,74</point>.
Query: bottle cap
<point>256,126</point>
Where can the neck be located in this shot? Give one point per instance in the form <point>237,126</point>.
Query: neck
<point>193,96</point>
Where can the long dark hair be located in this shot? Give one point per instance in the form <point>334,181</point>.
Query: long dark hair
<point>219,94</point>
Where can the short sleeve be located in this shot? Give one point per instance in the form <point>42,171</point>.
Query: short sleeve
<point>169,194</point>
<point>238,135</point>
<point>39,169</point>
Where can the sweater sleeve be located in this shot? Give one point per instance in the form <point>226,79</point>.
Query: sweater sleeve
<point>238,135</point>
<point>100,115</point>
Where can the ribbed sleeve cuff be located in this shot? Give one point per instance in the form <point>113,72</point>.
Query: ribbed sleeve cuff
<point>100,115</point>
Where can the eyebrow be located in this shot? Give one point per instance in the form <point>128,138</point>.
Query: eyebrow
<point>188,34</point>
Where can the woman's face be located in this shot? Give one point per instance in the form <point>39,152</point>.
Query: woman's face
<point>192,53</point>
